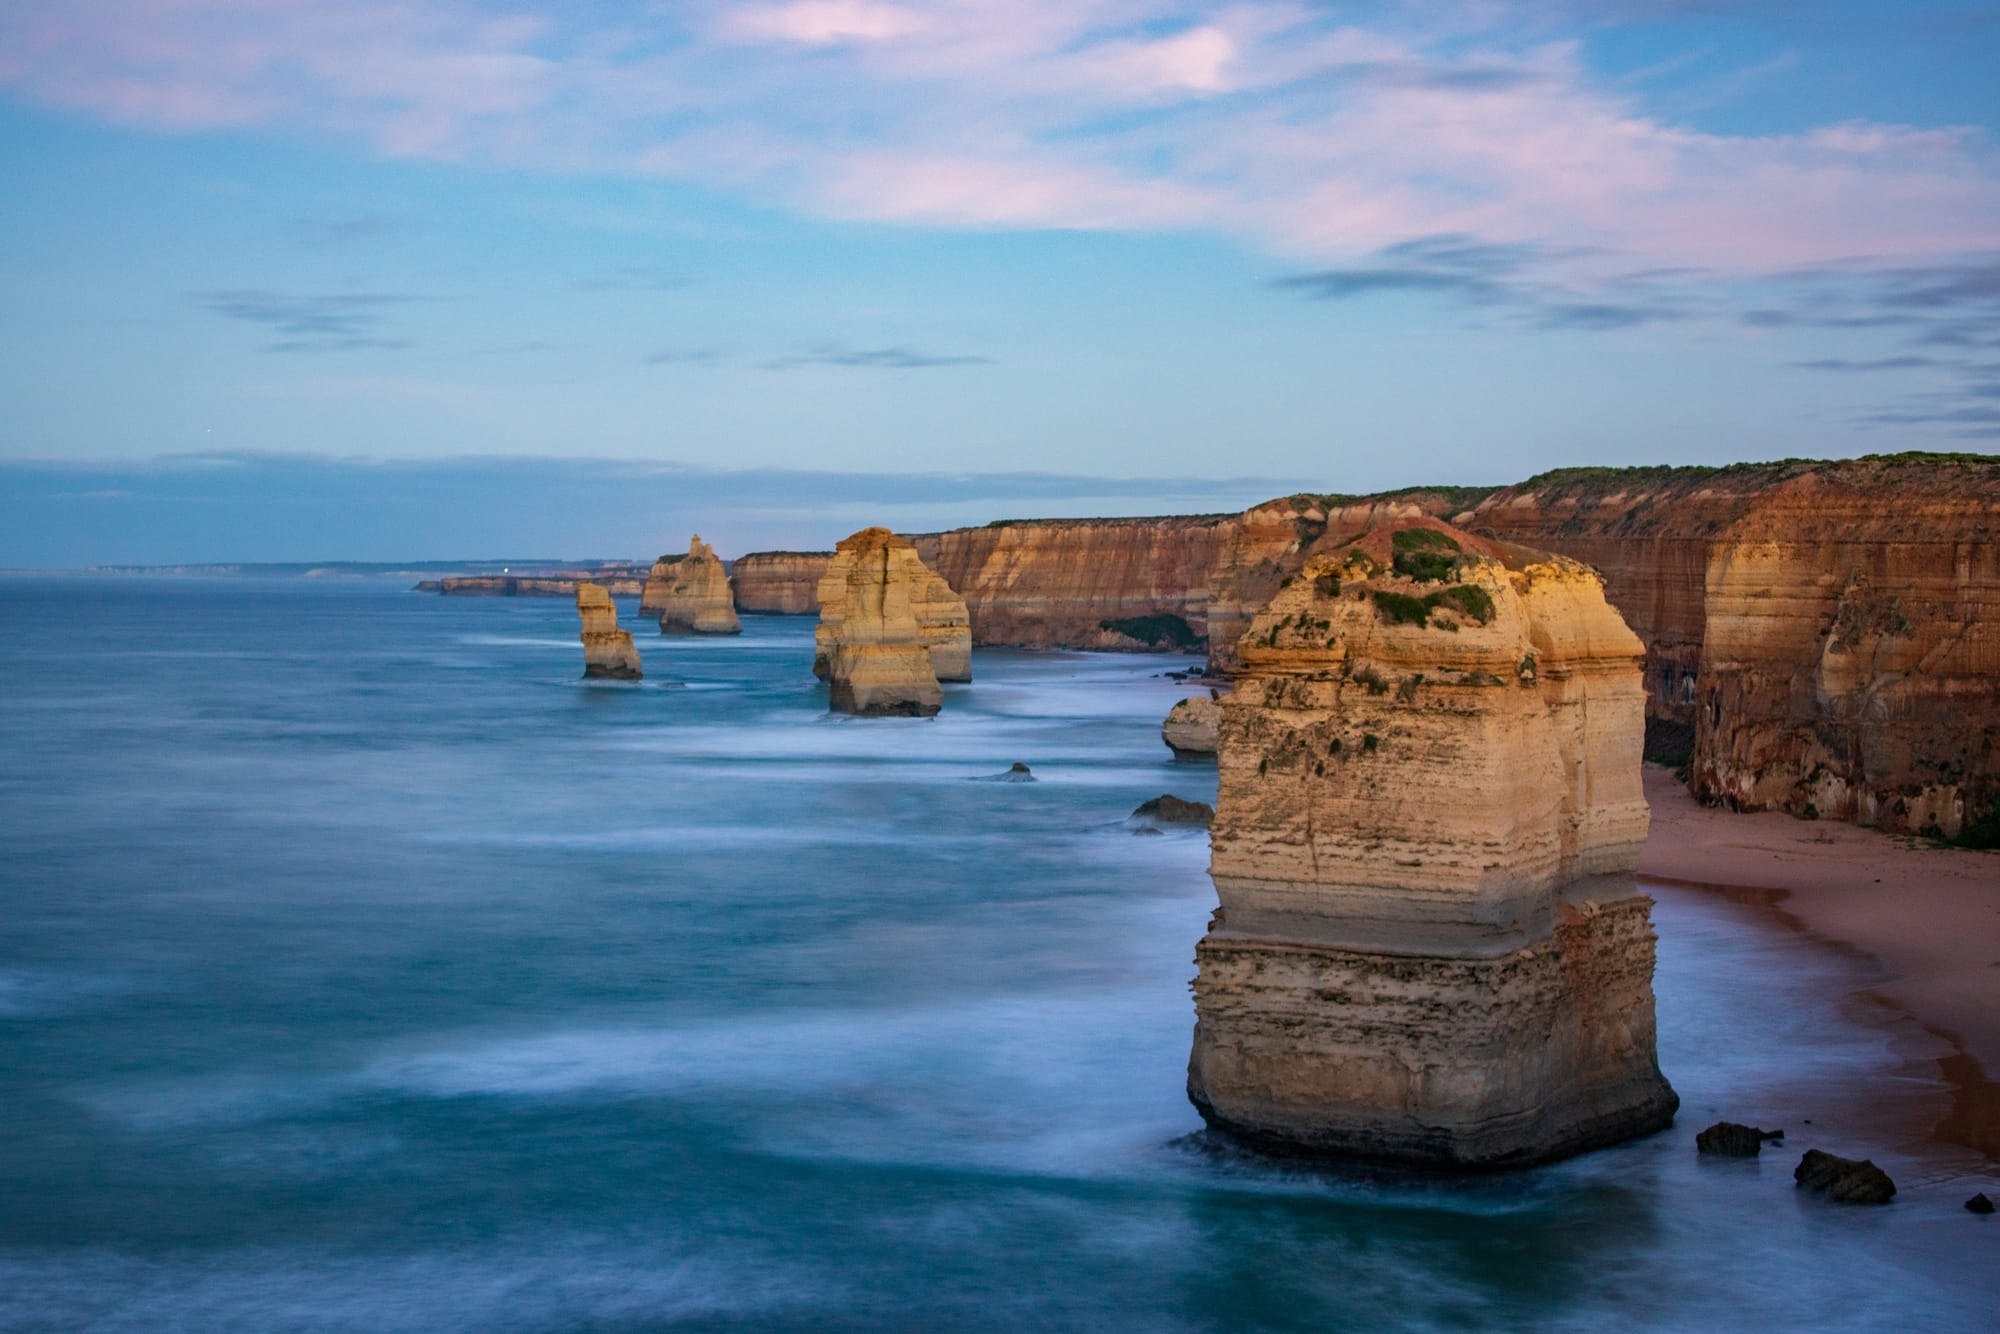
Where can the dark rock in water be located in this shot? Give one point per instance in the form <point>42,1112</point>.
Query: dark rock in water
<point>1019,773</point>
<point>1732,1140</point>
<point>1169,809</point>
<point>1979,1204</point>
<point>1844,1180</point>
<point>1149,829</point>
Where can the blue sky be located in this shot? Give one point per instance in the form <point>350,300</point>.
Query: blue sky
<point>753,267</point>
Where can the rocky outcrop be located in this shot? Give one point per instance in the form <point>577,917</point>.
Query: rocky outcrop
<point>607,650</point>
<point>1844,1180</point>
<point>1190,727</point>
<point>1428,946</point>
<point>869,646</point>
<point>779,583</point>
<point>691,593</point>
<point>943,625</point>
<point>1731,1139</point>
<point>1170,809</point>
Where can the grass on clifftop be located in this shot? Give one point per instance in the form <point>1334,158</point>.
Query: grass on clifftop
<point>1403,609</point>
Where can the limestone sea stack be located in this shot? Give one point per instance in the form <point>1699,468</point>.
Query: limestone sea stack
<point>942,623</point>
<point>869,646</point>
<point>694,594</point>
<point>607,650</point>
<point>1429,947</point>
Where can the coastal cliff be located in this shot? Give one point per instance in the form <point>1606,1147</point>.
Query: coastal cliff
<point>782,583</point>
<point>1428,947</point>
<point>1081,583</point>
<point>619,580</point>
<point>1820,636</point>
<point>607,650</point>
<point>691,593</point>
<point>869,645</point>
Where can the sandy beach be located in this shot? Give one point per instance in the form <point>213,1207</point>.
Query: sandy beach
<point>1929,916</point>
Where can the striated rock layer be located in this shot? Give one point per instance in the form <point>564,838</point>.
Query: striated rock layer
<point>1428,947</point>
<point>870,646</point>
<point>1822,636</point>
<point>781,583</point>
<point>691,593</point>
<point>607,650</point>
<point>943,625</point>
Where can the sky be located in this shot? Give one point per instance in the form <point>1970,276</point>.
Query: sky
<point>416,279</point>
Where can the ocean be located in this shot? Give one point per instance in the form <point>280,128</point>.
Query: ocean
<point>363,968</point>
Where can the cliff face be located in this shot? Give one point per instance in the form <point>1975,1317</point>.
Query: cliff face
<point>784,583</point>
<point>869,645</point>
<point>1851,666</point>
<point>607,650</point>
<point>1049,583</point>
<point>1817,634</point>
<point>1428,946</point>
<point>692,593</point>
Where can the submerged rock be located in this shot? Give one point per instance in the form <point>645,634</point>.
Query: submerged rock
<point>607,650</point>
<point>1844,1180</point>
<point>1190,727</point>
<point>1169,809</point>
<point>869,645</point>
<point>1429,946</point>
<point>1016,773</point>
<point>691,593</point>
<point>1733,1140</point>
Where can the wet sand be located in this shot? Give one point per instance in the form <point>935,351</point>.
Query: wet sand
<point>1929,916</point>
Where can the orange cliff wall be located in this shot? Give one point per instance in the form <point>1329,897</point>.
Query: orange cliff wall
<point>1051,583</point>
<point>784,583</point>
<point>1826,635</point>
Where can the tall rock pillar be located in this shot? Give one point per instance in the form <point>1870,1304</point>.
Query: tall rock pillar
<point>1429,947</point>
<point>869,646</point>
<point>607,650</point>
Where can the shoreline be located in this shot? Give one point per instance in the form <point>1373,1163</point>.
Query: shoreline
<point>1928,917</point>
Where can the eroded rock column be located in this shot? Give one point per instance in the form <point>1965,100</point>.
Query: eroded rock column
<point>1429,947</point>
<point>691,593</point>
<point>607,650</point>
<point>869,646</point>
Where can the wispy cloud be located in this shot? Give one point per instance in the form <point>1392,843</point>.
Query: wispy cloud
<point>1318,135</point>
<point>684,356</point>
<point>1846,366</point>
<point>340,231</point>
<point>330,322</point>
<point>632,279</point>
<point>872,358</point>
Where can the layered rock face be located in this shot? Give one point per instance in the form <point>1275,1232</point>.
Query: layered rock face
<point>1049,583</point>
<point>943,625</point>
<point>607,650</point>
<point>781,583</point>
<point>1428,946</point>
<point>691,593</point>
<point>869,646</point>
<point>1821,635</point>
<point>1851,664</point>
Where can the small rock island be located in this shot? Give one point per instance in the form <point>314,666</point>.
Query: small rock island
<point>889,629</point>
<point>691,594</point>
<point>1429,947</point>
<point>608,652</point>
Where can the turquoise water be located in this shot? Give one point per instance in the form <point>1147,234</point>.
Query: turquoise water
<point>362,968</point>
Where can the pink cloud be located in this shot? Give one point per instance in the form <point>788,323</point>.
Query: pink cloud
<point>1258,120</point>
